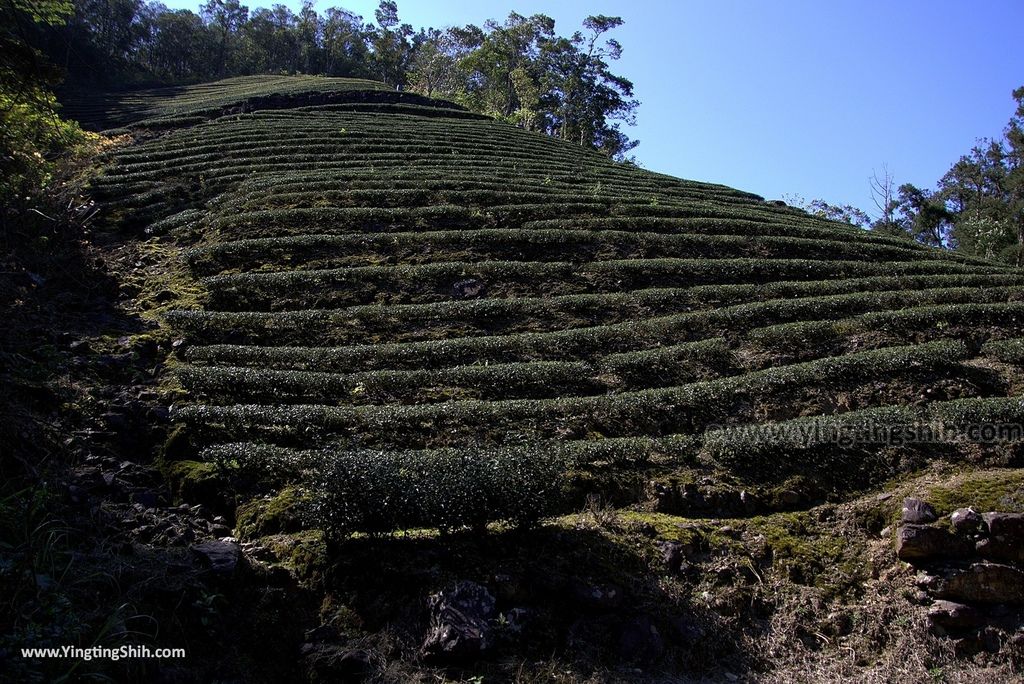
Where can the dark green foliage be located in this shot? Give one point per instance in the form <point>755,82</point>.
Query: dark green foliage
<point>326,251</point>
<point>38,148</point>
<point>994,411</point>
<point>377,492</point>
<point>540,379</point>
<point>436,320</point>
<point>681,409</point>
<point>803,333</point>
<point>278,463</point>
<point>175,107</point>
<point>793,442</point>
<point>357,285</point>
<point>819,443</point>
<point>1007,351</point>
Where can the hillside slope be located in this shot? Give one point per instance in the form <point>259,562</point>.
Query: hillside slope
<point>383,290</point>
<point>168,106</point>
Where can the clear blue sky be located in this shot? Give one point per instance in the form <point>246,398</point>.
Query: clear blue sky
<point>792,97</point>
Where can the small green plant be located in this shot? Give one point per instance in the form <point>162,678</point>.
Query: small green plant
<point>207,606</point>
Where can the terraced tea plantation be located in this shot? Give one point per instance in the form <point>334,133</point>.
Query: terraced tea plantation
<point>180,105</point>
<point>432,319</point>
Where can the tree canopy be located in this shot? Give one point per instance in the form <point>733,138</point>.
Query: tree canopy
<point>518,70</point>
<point>976,207</point>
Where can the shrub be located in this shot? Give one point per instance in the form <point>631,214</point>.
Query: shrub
<point>35,145</point>
<point>1007,351</point>
<point>263,461</point>
<point>380,491</point>
<point>765,446</point>
<point>682,409</point>
<point>820,442</point>
<point>973,310</point>
<point>432,281</point>
<point>539,379</point>
<point>963,413</point>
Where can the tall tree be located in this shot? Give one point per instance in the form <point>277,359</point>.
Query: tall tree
<point>1014,179</point>
<point>925,215</point>
<point>392,51</point>
<point>517,70</point>
<point>984,196</point>
<point>344,44</point>
<point>25,70</point>
<point>225,17</point>
<point>884,195</point>
<point>435,69</point>
<point>113,27</point>
<point>586,100</point>
<point>179,48</point>
<point>522,72</point>
<point>498,55</point>
<point>308,36</point>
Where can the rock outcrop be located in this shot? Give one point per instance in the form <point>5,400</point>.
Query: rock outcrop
<point>971,571</point>
<point>460,623</point>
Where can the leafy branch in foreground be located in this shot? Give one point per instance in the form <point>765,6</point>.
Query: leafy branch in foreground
<point>34,140</point>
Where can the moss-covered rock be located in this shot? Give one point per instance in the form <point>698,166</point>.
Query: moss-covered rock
<point>196,482</point>
<point>280,514</point>
<point>993,490</point>
<point>304,553</point>
<point>811,551</point>
<point>178,446</point>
